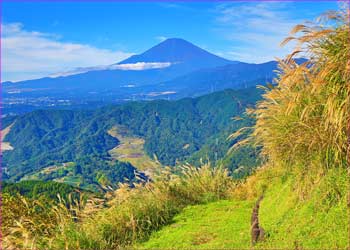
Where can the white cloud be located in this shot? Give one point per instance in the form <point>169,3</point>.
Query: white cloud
<point>141,65</point>
<point>126,66</point>
<point>32,54</point>
<point>256,29</point>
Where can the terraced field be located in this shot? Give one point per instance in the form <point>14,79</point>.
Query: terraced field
<point>5,145</point>
<point>131,149</point>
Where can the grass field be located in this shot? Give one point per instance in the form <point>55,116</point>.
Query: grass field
<point>222,224</point>
<point>131,149</point>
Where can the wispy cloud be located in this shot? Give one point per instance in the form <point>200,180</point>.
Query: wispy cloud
<point>161,38</point>
<point>31,54</point>
<point>256,29</point>
<point>177,6</point>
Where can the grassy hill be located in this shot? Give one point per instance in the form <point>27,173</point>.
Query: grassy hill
<point>317,222</point>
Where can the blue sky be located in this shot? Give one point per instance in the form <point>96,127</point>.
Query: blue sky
<point>42,38</point>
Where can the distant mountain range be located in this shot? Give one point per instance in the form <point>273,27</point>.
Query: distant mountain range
<point>172,69</point>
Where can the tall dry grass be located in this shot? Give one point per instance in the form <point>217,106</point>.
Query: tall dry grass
<point>303,121</point>
<point>34,223</point>
<point>134,213</point>
<point>129,215</point>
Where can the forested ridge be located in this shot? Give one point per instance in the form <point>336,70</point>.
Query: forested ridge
<point>174,131</point>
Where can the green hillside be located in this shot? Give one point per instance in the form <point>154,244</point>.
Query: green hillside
<point>47,190</point>
<point>75,146</point>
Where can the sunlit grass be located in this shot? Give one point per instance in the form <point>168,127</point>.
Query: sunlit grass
<point>222,224</point>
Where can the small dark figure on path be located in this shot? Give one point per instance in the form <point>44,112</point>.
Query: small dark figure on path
<point>257,232</point>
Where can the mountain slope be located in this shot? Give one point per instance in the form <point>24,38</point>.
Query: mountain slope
<point>178,52</point>
<point>236,76</point>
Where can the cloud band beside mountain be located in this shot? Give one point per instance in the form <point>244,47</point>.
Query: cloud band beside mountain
<point>30,54</point>
<point>126,66</point>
